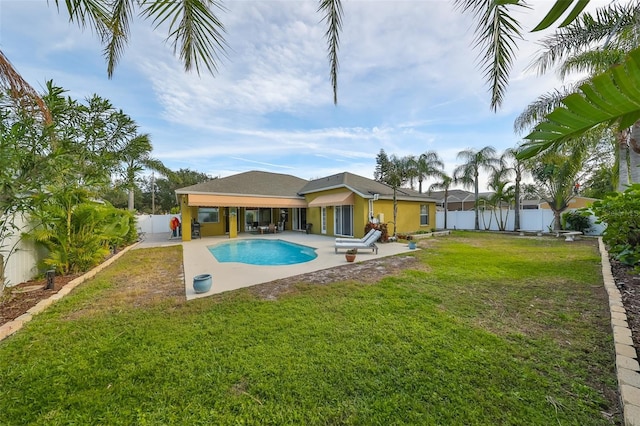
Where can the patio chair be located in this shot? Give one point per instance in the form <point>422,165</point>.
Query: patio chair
<point>272,228</point>
<point>368,243</point>
<point>353,240</point>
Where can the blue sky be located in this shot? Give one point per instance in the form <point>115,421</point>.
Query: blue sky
<point>408,83</point>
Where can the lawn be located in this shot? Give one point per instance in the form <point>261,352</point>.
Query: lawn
<point>490,329</point>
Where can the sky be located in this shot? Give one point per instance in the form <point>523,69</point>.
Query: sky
<point>409,82</point>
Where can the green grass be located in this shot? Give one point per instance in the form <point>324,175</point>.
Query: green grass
<point>492,330</point>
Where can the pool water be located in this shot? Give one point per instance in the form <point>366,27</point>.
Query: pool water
<point>262,252</point>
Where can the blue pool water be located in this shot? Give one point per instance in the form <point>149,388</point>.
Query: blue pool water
<point>262,252</point>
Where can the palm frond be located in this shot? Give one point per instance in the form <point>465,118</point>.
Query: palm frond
<point>608,25</point>
<point>558,9</point>
<point>612,97</point>
<point>194,30</point>
<point>496,35</point>
<point>591,62</point>
<point>117,37</point>
<point>19,89</point>
<point>332,10</point>
<point>538,109</point>
<point>89,13</point>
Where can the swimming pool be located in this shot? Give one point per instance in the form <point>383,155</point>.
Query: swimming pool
<point>262,252</point>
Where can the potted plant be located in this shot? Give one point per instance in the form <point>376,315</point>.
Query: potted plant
<point>350,255</point>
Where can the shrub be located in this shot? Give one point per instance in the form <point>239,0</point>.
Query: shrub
<point>621,214</point>
<point>576,221</point>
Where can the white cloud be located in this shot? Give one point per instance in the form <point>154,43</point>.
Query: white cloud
<point>408,82</point>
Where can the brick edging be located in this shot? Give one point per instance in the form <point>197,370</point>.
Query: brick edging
<point>11,327</point>
<point>627,368</point>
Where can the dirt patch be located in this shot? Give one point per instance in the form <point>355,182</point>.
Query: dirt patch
<point>370,271</point>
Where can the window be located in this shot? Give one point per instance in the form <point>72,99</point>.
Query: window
<point>424,214</point>
<point>208,215</point>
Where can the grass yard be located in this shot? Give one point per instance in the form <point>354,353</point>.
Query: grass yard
<point>491,330</point>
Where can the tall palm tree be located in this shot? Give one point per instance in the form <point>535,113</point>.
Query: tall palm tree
<point>135,156</point>
<point>409,167</point>
<point>503,192</point>
<point>428,165</point>
<point>443,184</point>
<point>517,167</point>
<point>468,173</point>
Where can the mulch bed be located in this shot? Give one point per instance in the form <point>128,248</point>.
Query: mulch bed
<point>628,282</point>
<point>18,299</point>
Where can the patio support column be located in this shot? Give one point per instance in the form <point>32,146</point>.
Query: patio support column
<point>233,222</point>
<point>186,218</point>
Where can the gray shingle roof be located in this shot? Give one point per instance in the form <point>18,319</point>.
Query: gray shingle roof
<point>258,183</point>
<point>250,183</point>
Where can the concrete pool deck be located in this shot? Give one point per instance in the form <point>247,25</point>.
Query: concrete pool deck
<point>231,276</point>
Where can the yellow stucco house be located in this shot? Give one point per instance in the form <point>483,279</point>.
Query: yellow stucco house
<point>337,205</point>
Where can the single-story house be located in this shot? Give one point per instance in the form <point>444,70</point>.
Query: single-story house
<point>337,205</point>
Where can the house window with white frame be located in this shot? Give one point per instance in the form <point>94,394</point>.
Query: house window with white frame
<point>424,214</point>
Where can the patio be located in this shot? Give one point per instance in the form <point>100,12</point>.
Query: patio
<point>231,276</point>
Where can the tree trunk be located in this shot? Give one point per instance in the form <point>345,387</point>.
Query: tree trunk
<point>556,219</point>
<point>446,207</point>
<point>477,224</point>
<point>130,205</point>
<point>634,153</point>
<point>623,165</point>
<point>516,218</point>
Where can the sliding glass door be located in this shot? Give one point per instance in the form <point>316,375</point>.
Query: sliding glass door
<point>344,220</point>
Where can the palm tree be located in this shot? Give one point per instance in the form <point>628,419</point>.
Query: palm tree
<point>428,164</point>
<point>135,156</point>
<point>443,184</point>
<point>517,167</point>
<point>555,174</point>
<point>503,192</point>
<point>409,166</point>
<point>468,172</point>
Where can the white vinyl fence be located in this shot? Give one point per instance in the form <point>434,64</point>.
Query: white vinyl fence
<point>530,220</point>
<point>155,224</point>
<point>20,256</point>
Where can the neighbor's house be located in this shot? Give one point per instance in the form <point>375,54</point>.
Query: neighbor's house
<point>337,205</point>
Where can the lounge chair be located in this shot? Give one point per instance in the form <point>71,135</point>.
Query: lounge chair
<point>353,240</point>
<point>368,243</point>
